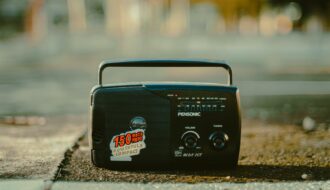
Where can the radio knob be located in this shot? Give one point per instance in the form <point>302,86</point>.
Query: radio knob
<point>218,140</point>
<point>190,139</point>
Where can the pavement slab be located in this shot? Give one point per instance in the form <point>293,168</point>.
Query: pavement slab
<point>36,151</point>
<point>201,186</point>
<point>269,153</point>
<point>26,184</point>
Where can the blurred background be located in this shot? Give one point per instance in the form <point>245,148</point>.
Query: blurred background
<point>279,51</point>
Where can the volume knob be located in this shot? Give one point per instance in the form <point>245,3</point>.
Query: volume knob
<point>218,140</point>
<point>190,139</point>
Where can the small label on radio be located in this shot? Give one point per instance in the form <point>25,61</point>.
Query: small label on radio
<point>196,154</point>
<point>179,153</point>
<point>189,114</point>
<point>190,127</point>
<point>128,144</point>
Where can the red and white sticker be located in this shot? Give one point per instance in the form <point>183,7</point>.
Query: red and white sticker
<point>128,144</point>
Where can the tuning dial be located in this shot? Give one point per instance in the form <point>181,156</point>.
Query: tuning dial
<point>190,139</point>
<point>218,140</point>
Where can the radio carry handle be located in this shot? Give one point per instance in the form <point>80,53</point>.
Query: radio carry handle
<point>165,63</point>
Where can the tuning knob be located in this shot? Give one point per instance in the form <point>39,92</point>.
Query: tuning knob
<point>218,140</point>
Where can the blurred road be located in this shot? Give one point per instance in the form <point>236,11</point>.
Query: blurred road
<point>58,74</point>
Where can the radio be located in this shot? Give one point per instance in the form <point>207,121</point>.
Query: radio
<point>165,124</point>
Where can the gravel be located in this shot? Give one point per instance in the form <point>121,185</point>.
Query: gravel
<point>269,153</point>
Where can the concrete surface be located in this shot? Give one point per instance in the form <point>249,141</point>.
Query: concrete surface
<point>26,184</point>
<point>200,186</point>
<point>41,185</point>
<point>269,153</point>
<point>35,152</point>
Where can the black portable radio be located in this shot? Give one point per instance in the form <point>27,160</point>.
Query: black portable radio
<point>165,125</point>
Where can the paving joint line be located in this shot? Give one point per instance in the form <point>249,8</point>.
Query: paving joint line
<point>48,183</point>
